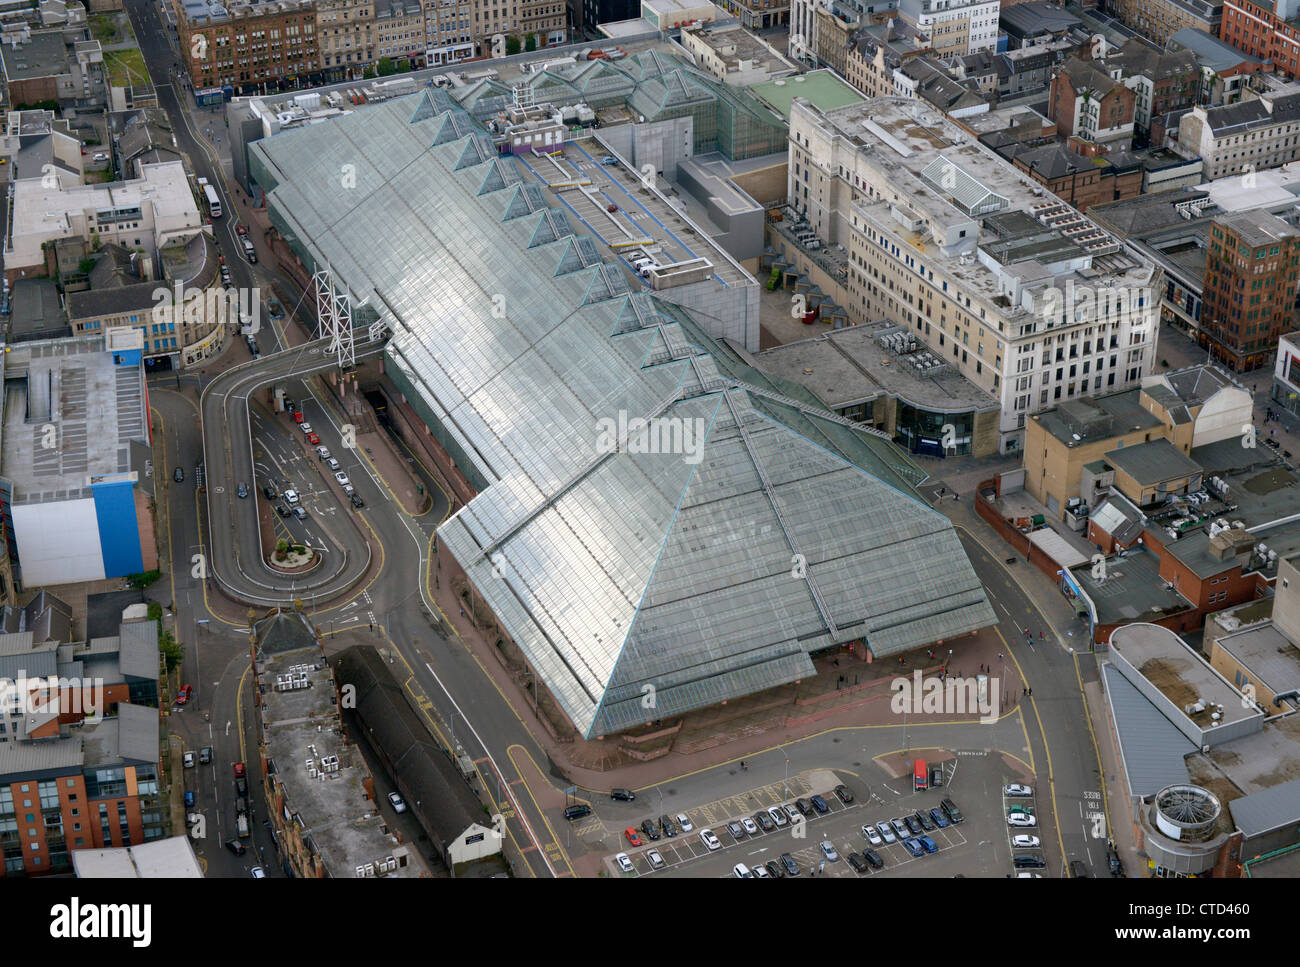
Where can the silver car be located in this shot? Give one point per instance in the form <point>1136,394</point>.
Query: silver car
<point>886,833</point>
<point>871,835</point>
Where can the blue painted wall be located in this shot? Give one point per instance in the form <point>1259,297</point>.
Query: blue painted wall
<point>119,535</point>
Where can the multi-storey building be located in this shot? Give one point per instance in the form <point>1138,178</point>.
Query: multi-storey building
<point>810,18</point>
<point>1161,82</point>
<point>345,37</point>
<point>1024,296</point>
<point>248,46</point>
<point>1250,287</point>
<point>1091,103</point>
<point>1245,137</point>
<point>1158,20</point>
<point>876,52</point>
<point>399,31</point>
<point>954,26</point>
<point>1263,29</point>
<point>448,36</point>
<point>758,14</point>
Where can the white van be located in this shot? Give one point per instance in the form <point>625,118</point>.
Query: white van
<point>250,253</point>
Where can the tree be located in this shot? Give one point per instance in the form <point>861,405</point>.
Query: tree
<point>403,66</point>
<point>171,650</point>
<point>368,73</point>
<point>512,46</point>
<point>384,67</point>
<point>530,42</point>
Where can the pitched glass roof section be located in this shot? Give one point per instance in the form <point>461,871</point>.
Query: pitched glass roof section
<point>963,189</point>
<point>615,554</point>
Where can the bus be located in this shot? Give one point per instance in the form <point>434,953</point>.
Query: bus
<point>920,775</point>
<point>210,197</point>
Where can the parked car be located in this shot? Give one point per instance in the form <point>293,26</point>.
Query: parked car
<point>684,823</point>
<point>1079,870</point>
<point>236,847</point>
<point>342,478</point>
<point>299,416</point>
<point>269,492</point>
<point>886,832</point>
<point>322,452</point>
<point>900,828</point>
<point>804,806</point>
<point>776,869</point>
<point>1024,841</point>
<point>239,770</point>
<point>793,812</point>
<point>304,426</point>
<point>331,462</point>
<point>760,872</point>
<point>736,830</point>
<point>778,816</point>
<point>748,825</point>
<point>630,834</point>
<point>913,846</point>
<point>241,786</point>
<point>926,822</point>
<point>950,807</point>
<point>936,777</point>
<point>609,160</point>
<point>844,795</point>
<point>576,811</point>
<point>1028,861</point>
<point>857,862</point>
<point>99,156</point>
<point>871,835</point>
<point>741,872</point>
<point>828,851</point>
<point>819,804</point>
<point>666,824</point>
<point>313,438</point>
<point>189,797</point>
<point>1021,819</point>
<point>397,802</point>
<point>205,755</point>
<point>622,795</point>
<point>183,696</point>
<point>656,860</point>
<point>356,499</point>
<point>872,857</point>
<point>624,863</point>
<point>188,760</point>
<point>929,845</point>
<point>1016,789</point>
<point>258,873</point>
<point>709,840</point>
<point>764,820</point>
<point>939,818</point>
<point>1022,810</point>
<point>791,867</point>
<point>913,826</point>
<point>650,829</point>
<point>291,496</point>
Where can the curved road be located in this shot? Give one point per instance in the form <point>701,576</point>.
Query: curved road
<point>235,557</point>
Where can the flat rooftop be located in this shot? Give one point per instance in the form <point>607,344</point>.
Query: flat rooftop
<point>45,55</point>
<point>1096,418</point>
<point>171,858</point>
<point>1132,590</point>
<point>848,366</point>
<point>323,776</point>
<point>95,407</point>
<point>735,46</point>
<point>1263,760</point>
<point>1180,675</point>
<point>1271,656</point>
<point>823,88</point>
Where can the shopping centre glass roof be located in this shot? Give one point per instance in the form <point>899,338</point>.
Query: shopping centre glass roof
<point>705,554</point>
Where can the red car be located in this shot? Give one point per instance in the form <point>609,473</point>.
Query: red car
<point>242,229</point>
<point>184,694</point>
<point>239,770</point>
<point>298,417</point>
<point>633,836</point>
<point>611,208</point>
<point>313,438</point>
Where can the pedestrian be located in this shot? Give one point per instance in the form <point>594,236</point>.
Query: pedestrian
<point>1040,636</point>
<point>1031,691</point>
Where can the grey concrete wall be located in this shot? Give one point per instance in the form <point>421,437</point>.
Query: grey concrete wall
<point>740,233</point>
<point>661,143</point>
<point>724,313</point>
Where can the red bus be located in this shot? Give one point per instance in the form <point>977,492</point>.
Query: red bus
<point>921,777</point>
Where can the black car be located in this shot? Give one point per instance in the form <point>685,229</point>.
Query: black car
<point>936,777</point>
<point>844,795</point>
<point>622,795</point>
<point>775,869</point>
<point>791,867</point>
<point>913,826</point>
<point>576,811</point>
<point>241,806</point>
<point>668,826</point>
<point>950,807</point>
<point>1079,870</point>
<point>804,807</point>
<point>1028,861</point>
<point>650,829</point>
<point>356,499</point>
<point>242,490</point>
<point>1113,860</point>
<point>236,847</point>
<point>179,475</point>
<point>926,822</point>
<point>872,857</point>
<point>857,862</point>
<point>819,804</point>
<point>283,510</point>
<point>241,786</point>
<point>764,821</point>
<point>270,492</point>
<point>205,754</point>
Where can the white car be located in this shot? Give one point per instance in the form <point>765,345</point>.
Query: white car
<point>749,826</point>
<point>1016,789</point>
<point>259,873</point>
<point>741,872</point>
<point>778,816</point>
<point>323,452</point>
<point>828,851</point>
<point>709,840</point>
<point>872,837</point>
<point>656,861</point>
<point>1024,841</point>
<point>305,427</point>
<point>333,464</point>
<point>189,760</point>
<point>760,872</point>
<point>886,832</point>
<point>342,478</point>
<point>99,156</point>
<point>624,863</point>
<point>398,803</point>
<point>1021,819</point>
<point>684,823</point>
<point>1022,875</point>
<point>290,496</point>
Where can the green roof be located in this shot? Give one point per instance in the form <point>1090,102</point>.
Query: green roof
<point>822,88</point>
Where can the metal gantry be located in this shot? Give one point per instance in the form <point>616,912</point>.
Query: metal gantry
<point>334,310</point>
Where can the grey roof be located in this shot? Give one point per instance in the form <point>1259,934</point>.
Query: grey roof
<point>138,654</point>
<point>1268,810</point>
<point>170,858</point>
<point>1136,57</point>
<point>1053,160</point>
<point>1152,750</point>
<point>1268,654</point>
<point>1036,20</point>
<point>284,631</point>
<point>1150,463</point>
<point>24,758</point>
<point>617,567</point>
<point>1098,417</point>
<point>1210,51</point>
<point>37,313</point>
<point>1248,115</point>
<point>44,55</point>
<point>1084,74</point>
<point>1196,384</point>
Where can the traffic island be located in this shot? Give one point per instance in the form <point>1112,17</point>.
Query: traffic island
<point>290,558</point>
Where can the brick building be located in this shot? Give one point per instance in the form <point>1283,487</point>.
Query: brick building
<point>1087,101</point>
<point>249,44</point>
<point>1265,30</point>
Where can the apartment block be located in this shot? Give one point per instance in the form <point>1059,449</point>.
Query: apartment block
<point>1158,20</point>
<point>248,45</point>
<point>1090,102</point>
<point>1263,29</point>
<point>1245,137</point>
<point>954,26</point>
<point>448,31</point>
<point>1023,295</point>
<point>399,30</point>
<point>1160,82</point>
<point>1250,287</point>
<point>758,14</point>
<point>345,37</point>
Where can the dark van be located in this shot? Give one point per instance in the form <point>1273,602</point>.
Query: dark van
<point>577,811</point>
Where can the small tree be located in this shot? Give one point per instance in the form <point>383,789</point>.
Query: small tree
<point>530,42</point>
<point>512,46</point>
<point>368,73</point>
<point>403,66</point>
<point>171,650</point>
<point>384,67</point>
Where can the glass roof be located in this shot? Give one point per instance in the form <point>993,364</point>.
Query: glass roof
<point>644,493</point>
